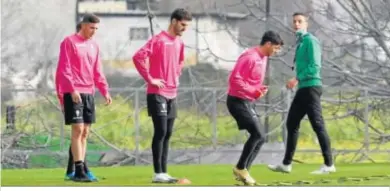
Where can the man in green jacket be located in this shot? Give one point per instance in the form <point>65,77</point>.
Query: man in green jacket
<point>307,100</point>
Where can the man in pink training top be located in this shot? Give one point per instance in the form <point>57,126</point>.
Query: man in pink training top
<point>78,72</point>
<point>70,168</point>
<point>165,52</point>
<point>246,86</point>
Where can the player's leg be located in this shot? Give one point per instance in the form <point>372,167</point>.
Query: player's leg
<point>70,168</point>
<point>172,114</point>
<point>74,116</point>
<point>295,115</point>
<point>257,140</point>
<point>157,109</point>
<point>241,112</point>
<point>77,150</point>
<point>249,152</point>
<point>254,154</point>
<point>89,115</point>
<point>160,130</point>
<point>256,151</point>
<point>84,143</point>
<point>165,151</point>
<point>89,119</point>
<point>314,114</point>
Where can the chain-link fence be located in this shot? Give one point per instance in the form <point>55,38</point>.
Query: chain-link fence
<point>204,132</point>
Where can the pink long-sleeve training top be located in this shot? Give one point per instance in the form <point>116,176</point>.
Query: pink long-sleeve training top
<point>246,79</point>
<point>166,56</point>
<point>79,67</point>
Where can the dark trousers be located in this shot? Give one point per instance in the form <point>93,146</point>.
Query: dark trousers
<point>163,112</point>
<point>247,119</point>
<point>307,101</point>
<point>163,128</point>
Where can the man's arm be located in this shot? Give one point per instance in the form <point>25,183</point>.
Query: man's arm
<point>314,59</point>
<point>64,70</point>
<point>238,74</point>
<point>181,60</point>
<point>140,58</point>
<point>99,77</point>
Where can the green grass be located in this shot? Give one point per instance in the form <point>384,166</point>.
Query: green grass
<point>203,175</point>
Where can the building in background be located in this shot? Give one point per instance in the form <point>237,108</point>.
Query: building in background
<point>125,27</point>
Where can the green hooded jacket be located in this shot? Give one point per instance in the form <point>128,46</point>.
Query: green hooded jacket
<point>308,60</point>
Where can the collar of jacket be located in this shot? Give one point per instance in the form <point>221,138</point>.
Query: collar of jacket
<point>299,34</point>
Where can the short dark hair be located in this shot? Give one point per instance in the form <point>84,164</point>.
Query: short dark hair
<point>299,14</point>
<point>272,37</point>
<point>181,14</point>
<point>90,18</point>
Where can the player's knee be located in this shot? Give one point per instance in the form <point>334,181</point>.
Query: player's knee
<point>318,124</point>
<point>160,134</point>
<point>291,123</point>
<point>257,138</point>
<point>292,127</point>
<point>77,130</point>
<point>168,135</point>
<point>261,140</point>
<point>256,134</point>
<point>85,134</point>
<point>319,129</point>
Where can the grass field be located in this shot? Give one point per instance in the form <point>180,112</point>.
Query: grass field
<point>207,175</point>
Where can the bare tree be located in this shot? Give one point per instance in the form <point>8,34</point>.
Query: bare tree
<point>31,33</point>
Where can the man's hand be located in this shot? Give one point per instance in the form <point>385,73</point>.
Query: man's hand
<point>292,83</point>
<point>262,91</point>
<point>265,91</point>
<point>158,82</point>
<point>76,97</point>
<point>108,99</point>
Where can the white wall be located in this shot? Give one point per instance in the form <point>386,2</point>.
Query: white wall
<point>113,37</point>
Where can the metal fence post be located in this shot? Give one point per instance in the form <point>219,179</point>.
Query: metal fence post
<point>10,116</point>
<point>366,120</point>
<point>214,119</point>
<point>136,126</point>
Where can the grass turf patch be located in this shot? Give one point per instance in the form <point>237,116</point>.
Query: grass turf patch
<point>207,175</point>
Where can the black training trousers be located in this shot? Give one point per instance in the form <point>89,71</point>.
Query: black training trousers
<point>246,117</point>
<point>307,101</point>
<point>163,112</point>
